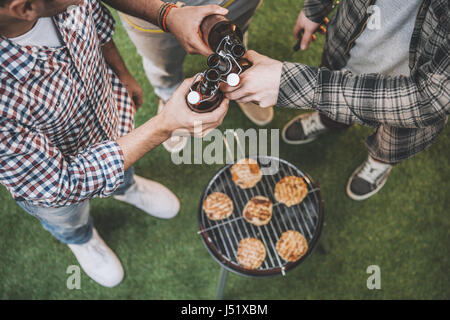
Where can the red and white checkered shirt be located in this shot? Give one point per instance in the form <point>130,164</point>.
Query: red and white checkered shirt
<point>61,110</point>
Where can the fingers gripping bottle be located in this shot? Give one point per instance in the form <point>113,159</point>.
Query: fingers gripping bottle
<point>226,40</point>
<point>204,94</point>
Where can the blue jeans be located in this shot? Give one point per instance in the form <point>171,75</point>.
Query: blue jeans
<point>71,224</point>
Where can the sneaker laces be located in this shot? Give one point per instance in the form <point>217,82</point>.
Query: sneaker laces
<point>312,124</point>
<point>372,170</point>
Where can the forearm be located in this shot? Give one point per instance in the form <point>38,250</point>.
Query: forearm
<point>114,59</point>
<point>144,9</point>
<point>371,99</point>
<point>143,139</point>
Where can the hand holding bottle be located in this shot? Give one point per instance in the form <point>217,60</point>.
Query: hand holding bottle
<point>176,115</point>
<point>259,84</point>
<point>184,23</point>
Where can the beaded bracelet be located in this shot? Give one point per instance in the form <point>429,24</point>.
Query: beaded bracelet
<point>162,14</point>
<point>161,11</point>
<point>166,13</point>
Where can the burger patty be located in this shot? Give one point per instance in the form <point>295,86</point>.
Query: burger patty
<point>292,245</point>
<point>246,173</point>
<point>291,190</point>
<point>218,206</point>
<point>251,253</point>
<point>258,211</point>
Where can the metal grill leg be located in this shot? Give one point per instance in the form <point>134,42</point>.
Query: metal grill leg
<point>222,282</point>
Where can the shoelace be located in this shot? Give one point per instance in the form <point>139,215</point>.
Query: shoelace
<point>371,173</point>
<point>311,125</point>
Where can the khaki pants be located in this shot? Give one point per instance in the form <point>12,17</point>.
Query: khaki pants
<point>161,53</point>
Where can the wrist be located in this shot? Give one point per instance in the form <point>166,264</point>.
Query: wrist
<point>163,125</point>
<point>164,12</point>
<point>171,18</point>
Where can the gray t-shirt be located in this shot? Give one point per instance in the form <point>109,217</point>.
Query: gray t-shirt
<point>386,50</point>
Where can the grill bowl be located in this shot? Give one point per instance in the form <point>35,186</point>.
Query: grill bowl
<point>221,238</point>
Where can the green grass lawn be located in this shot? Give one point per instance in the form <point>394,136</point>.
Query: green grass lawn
<point>404,229</point>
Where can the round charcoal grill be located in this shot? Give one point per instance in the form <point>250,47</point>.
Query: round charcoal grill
<point>221,238</point>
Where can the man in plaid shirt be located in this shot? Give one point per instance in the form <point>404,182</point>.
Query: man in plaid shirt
<point>395,78</point>
<point>66,124</point>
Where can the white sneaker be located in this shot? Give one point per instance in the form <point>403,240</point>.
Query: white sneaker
<point>176,143</point>
<point>151,197</point>
<point>98,261</point>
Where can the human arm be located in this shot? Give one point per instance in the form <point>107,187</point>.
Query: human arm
<point>32,168</point>
<point>175,116</point>
<point>371,99</point>
<point>309,21</point>
<point>183,23</point>
<point>115,61</point>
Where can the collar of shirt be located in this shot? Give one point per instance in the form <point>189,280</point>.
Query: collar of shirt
<point>19,60</point>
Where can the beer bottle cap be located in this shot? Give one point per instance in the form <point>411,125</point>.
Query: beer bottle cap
<point>194,98</point>
<point>233,80</point>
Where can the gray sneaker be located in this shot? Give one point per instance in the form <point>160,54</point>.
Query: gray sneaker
<point>303,129</point>
<point>368,179</point>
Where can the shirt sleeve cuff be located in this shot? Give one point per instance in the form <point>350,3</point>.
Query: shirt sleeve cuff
<point>109,157</point>
<point>297,86</point>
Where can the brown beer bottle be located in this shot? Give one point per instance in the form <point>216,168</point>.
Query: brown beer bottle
<point>229,69</point>
<point>205,95</point>
<point>221,64</point>
<point>233,78</point>
<point>215,28</point>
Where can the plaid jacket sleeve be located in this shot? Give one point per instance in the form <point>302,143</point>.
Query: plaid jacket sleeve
<point>32,169</point>
<point>316,10</point>
<point>372,99</point>
<point>104,21</point>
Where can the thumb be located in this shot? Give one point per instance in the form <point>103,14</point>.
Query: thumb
<point>201,47</point>
<point>306,40</point>
<point>213,9</point>
<point>252,56</point>
<point>184,87</point>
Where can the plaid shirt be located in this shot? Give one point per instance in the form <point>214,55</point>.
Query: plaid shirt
<point>417,101</point>
<point>60,111</point>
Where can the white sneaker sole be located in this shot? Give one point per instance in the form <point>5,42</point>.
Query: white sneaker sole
<point>368,195</point>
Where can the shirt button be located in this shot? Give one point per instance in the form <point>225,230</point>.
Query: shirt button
<point>72,8</point>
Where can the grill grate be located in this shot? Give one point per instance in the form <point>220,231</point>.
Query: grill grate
<point>221,238</point>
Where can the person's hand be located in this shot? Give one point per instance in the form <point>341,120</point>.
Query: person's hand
<point>259,84</point>
<point>307,27</point>
<point>184,23</point>
<point>177,116</point>
<point>134,89</point>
